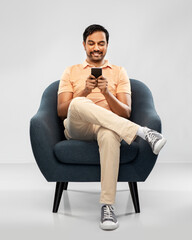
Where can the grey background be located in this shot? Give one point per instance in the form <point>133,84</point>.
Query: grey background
<point>40,38</point>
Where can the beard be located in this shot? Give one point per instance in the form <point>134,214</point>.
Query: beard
<point>96,56</point>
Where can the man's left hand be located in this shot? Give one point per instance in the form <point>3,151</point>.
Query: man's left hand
<point>102,84</point>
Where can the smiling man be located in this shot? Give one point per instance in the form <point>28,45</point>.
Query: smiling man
<point>99,109</point>
<point>96,48</point>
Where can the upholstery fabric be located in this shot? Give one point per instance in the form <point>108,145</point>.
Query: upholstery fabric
<point>87,152</point>
<point>46,131</point>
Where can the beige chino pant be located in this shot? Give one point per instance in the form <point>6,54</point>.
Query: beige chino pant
<point>88,121</point>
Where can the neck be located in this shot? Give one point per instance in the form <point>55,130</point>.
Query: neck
<point>96,64</point>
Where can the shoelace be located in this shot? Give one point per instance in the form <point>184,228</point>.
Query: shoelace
<point>151,137</point>
<point>108,212</point>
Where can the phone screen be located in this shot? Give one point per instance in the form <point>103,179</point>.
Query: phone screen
<point>96,72</point>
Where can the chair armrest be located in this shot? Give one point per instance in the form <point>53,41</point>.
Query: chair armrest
<point>148,118</point>
<point>45,132</point>
<point>143,108</point>
<point>144,114</point>
<point>146,159</point>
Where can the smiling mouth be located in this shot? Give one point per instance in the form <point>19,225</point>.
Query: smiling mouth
<point>96,54</point>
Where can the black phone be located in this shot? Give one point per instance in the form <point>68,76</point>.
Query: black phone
<point>96,72</point>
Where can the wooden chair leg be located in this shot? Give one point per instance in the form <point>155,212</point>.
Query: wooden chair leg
<point>134,195</point>
<point>58,193</point>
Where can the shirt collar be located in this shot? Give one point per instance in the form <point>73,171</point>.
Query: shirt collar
<point>105,65</point>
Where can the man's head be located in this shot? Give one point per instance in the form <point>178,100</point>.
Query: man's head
<point>95,28</point>
<point>95,41</point>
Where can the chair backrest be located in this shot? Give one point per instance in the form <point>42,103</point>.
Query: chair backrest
<point>142,99</point>
<point>49,105</point>
<point>49,97</point>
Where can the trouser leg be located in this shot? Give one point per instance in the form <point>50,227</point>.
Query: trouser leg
<point>76,127</point>
<point>83,112</point>
<point>109,149</point>
<point>87,121</point>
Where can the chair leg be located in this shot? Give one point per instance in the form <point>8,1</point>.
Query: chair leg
<point>58,194</point>
<point>134,195</point>
<point>65,186</point>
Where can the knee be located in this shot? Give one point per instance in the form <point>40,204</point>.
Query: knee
<point>75,102</point>
<point>78,101</point>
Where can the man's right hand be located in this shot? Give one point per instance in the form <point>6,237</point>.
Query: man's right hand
<point>91,83</point>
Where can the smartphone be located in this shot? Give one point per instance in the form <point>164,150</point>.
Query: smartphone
<point>96,72</point>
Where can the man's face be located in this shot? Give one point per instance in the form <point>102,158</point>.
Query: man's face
<point>96,47</point>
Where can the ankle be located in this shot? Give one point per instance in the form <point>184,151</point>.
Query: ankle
<point>141,132</point>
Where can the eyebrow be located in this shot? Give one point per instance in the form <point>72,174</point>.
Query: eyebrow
<point>98,42</point>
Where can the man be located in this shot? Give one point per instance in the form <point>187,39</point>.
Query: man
<point>99,108</point>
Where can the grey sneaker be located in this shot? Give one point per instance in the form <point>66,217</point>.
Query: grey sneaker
<point>155,140</point>
<point>108,218</point>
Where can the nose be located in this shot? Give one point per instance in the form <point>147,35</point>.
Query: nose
<point>96,47</point>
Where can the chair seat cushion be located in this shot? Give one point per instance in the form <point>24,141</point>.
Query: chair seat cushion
<point>87,152</point>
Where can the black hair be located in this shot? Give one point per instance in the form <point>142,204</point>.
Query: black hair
<point>95,28</point>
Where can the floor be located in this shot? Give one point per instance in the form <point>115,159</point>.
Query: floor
<point>26,201</point>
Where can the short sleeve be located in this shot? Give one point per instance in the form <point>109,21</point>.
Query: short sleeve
<point>65,84</point>
<point>124,82</point>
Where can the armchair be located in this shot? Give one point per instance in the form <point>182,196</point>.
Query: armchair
<point>64,161</point>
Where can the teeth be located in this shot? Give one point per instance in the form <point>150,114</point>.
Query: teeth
<point>96,54</point>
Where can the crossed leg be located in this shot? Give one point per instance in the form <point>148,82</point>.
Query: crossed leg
<point>87,121</point>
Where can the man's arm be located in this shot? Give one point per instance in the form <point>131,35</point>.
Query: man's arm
<point>63,102</point>
<point>65,98</point>
<point>121,105</point>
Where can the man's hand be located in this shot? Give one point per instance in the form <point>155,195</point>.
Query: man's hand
<point>102,84</point>
<point>91,83</point>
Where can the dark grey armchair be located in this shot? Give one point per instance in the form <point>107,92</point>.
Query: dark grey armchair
<point>64,161</point>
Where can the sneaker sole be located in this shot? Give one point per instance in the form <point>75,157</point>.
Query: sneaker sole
<point>160,145</point>
<point>109,227</point>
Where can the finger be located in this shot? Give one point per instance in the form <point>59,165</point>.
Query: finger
<point>93,81</point>
<point>102,81</point>
<point>102,85</point>
<point>91,85</point>
<point>101,77</point>
<point>92,77</point>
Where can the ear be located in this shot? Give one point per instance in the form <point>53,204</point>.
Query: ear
<point>84,45</point>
